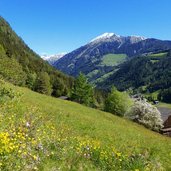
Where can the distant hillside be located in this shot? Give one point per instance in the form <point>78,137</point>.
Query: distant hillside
<point>91,58</point>
<point>151,72</point>
<point>21,66</point>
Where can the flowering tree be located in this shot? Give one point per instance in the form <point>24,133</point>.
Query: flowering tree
<point>146,114</point>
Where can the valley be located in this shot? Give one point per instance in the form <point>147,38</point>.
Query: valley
<point>85,85</point>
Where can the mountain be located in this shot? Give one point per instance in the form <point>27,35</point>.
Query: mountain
<point>52,58</point>
<point>22,66</point>
<point>101,56</point>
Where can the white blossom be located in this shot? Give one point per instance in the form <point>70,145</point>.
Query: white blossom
<point>146,114</point>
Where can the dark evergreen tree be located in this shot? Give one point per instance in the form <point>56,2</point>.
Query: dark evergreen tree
<point>82,91</point>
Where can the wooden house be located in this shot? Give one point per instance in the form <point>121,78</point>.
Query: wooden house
<point>166,117</point>
<point>167,127</point>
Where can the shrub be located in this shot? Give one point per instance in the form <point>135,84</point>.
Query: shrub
<point>117,102</point>
<point>6,93</point>
<point>146,114</point>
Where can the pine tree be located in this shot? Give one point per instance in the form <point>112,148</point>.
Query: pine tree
<point>82,91</point>
<point>43,84</point>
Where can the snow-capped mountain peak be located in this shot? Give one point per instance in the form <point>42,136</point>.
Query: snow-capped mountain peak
<point>52,58</point>
<point>135,39</point>
<point>104,37</point>
<point>115,37</point>
<point>139,37</point>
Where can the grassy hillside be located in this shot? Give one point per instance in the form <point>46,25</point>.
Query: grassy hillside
<point>165,105</point>
<point>106,67</point>
<point>158,55</point>
<point>152,72</point>
<point>113,59</point>
<point>155,57</point>
<point>45,133</point>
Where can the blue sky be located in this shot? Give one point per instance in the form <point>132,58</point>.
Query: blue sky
<point>53,26</point>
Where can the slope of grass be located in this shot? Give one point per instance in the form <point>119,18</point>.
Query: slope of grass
<point>93,73</point>
<point>103,77</point>
<point>88,139</point>
<point>165,105</point>
<point>158,55</point>
<point>113,59</point>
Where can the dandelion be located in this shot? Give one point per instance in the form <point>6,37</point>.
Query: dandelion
<point>34,157</point>
<point>118,154</point>
<point>19,151</point>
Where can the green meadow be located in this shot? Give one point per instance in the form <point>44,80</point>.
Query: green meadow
<point>113,59</point>
<point>158,55</point>
<point>69,136</point>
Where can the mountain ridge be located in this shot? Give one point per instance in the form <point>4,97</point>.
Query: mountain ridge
<point>89,58</point>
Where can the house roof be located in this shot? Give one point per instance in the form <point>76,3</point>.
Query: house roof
<point>63,97</point>
<point>165,113</point>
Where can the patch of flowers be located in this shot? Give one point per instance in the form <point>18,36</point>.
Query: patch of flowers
<point>109,158</point>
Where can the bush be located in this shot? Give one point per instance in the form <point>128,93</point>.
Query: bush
<point>117,102</point>
<point>6,93</point>
<point>146,114</point>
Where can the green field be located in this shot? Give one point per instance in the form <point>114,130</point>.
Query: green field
<point>165,105</point>
<point>76,137</point>
<point>93,73</point>
<point>159,55</point>
<point>103,77</point>
<point>113,59</point>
